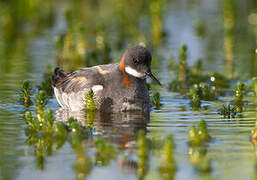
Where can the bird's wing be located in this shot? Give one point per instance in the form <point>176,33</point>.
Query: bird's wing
<point>79,80</point>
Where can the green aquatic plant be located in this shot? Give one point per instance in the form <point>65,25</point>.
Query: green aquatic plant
<point>71,46</point>
<point>229,26</point>
<point>254,84</point>
<point>48,121</point>
<point>90,102</point>
<point>207,93</point>
<point>254,131</point>
<point>203,131</point>
<point>156,11</point>
<point>77,132</point>
<point>142,155</point>
<point>239,93</point>
<point>46,84</point>
<point>41,102</point>
<point>198,159</point>
<point>183,69</point>
<point>196,154</point>
<point>168,164</point>
<point>40,157</point>
<point>34,125</point>
<point>194,137</point>
<point>228,111</point>
<point>204,165</point>
<point>105,152</point>
<point>200,28</point>
<point>26,92</point>
<point>60,134</point>
<point>198,66</point>
<point>83,164</point>
<point>201,92</point>
<point>90,109</point>
<point>156,100</point>
<point>175,86</point>
<point>195,101</point>
<point>195,95</point>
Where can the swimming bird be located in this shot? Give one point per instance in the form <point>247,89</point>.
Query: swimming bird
<point>117,87</point>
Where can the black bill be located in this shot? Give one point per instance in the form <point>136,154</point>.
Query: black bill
<point>153,78</point>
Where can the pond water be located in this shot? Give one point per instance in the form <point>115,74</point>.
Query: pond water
<point>25,54</point>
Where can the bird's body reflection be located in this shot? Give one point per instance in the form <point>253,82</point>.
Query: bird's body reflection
<point>118,128</point>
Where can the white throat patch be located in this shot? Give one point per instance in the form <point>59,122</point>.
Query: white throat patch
<point>133,72</point>
<point>96,88</point>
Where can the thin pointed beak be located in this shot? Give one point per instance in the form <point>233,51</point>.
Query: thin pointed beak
<point>149,73</point>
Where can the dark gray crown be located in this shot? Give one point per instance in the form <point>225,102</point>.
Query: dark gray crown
<point>138,55</point>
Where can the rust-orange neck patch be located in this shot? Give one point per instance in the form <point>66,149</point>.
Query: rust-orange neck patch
<point>126,81</point>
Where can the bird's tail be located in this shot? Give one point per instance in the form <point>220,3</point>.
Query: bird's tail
<point>58,76</point>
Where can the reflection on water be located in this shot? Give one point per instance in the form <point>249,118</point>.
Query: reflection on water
<point>119,128</point>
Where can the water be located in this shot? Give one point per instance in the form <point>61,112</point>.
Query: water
<point>25,56</point>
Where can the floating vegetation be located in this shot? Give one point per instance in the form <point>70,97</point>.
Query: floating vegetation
<point>194,137</point>
<point>228,111</point>
<point>168,164</point>
<point>104,152</point>
<point>203,131</point>
<point>26,93</point>
<point>156,100</point>
<point>142,155</point>
<point>239,93</point>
